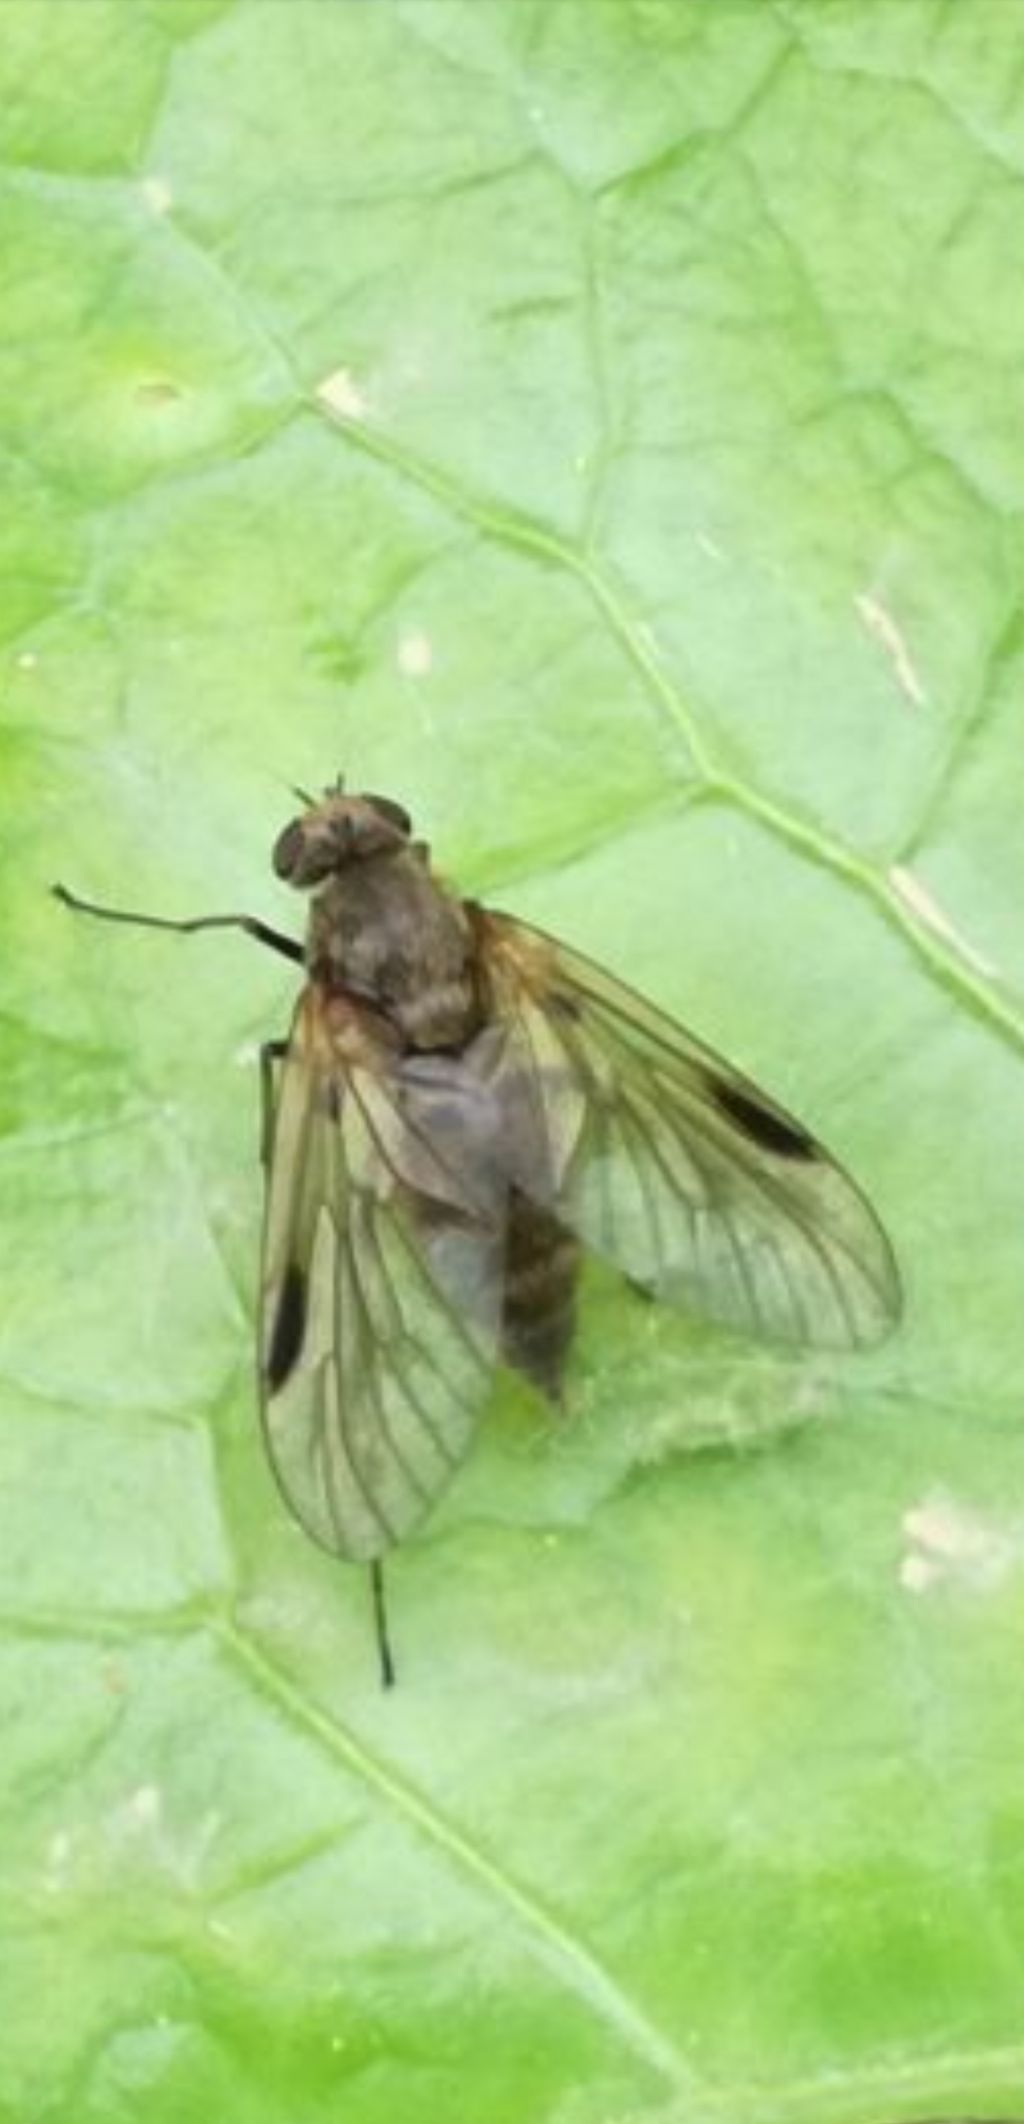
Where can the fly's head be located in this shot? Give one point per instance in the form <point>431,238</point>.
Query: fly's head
<point>336,832</point>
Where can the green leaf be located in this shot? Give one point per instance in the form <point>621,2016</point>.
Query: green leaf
<point>601,427</point>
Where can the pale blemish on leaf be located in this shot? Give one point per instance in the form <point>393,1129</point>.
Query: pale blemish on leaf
<point>415,655</point>
<point>879,621</point>
<point>143,1808</point>
<point>949,1541</point>
<point>57,1869</point>
<point>340,393</point>
<point>923,904</point>
<point>157,194</point>
<point>140,1824</point>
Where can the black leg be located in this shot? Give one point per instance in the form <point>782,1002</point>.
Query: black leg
<point>289,947</point>
<point>380,1624</point>
<point>271,1051</point>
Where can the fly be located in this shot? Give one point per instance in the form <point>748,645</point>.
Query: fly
<point>462,1108</point>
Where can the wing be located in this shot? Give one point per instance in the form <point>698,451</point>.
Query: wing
<point>666,1160</point>
<point>381,1288</point>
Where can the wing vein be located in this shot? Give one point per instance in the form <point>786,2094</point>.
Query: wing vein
<point>373,1370</point>
<point>372,1502</point>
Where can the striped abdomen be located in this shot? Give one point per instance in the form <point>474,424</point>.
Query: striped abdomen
<point>539,1316</point>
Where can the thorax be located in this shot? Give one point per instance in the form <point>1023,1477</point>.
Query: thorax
<point>388,934</point>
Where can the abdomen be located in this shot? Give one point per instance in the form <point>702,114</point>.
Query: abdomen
<point>539,1315</point>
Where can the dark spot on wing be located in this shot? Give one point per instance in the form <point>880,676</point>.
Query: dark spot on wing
<point>762,1124</point>
<point>288,1329</point>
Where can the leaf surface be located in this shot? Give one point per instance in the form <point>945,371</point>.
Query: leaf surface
<point>601,428</point>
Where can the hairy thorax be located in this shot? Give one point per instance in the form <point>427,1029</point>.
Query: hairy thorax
<point>385,932</point>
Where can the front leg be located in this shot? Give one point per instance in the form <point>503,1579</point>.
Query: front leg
<point>271,1052</point>
<point>289,947</point>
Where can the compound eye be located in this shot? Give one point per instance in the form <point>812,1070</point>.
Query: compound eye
<point>392,812</point>
<point>288,850</point>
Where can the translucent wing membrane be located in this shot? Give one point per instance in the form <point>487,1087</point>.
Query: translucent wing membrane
<point>382,1278</point>
<point>389,1202</point>
<point>665,1160</point>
